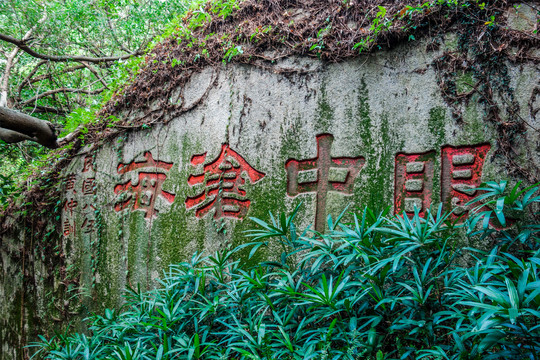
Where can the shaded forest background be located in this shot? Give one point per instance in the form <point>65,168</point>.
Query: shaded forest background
<point>62,60</point>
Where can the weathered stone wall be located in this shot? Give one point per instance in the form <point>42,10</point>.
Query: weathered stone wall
<point>374,131</point>
<point>31,292</point>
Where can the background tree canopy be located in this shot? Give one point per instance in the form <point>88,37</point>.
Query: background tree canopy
<point>59,60</point>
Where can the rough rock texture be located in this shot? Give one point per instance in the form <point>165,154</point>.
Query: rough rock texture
<point>380,112</point>
<point>373,131</point>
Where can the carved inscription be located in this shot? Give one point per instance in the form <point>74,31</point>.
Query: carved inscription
<point>88,190</point>
<point>323,164</point>
<point>223,181</point>
<point>142,195</point>
<point>220,184</point>
<point>414,182</point>
<point>88,164</point>
<point>70,183</point>
<point>461,173</point>
<point>88,225</point>
<point>89,186</point>
<point>80,191</point>
<point>70,205</point>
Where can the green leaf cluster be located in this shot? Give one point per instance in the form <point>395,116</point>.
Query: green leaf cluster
<point>379,287</point>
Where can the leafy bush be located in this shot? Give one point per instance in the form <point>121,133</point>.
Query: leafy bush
<point>378,288</point>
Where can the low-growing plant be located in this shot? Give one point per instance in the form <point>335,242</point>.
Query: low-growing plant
<point>379,287</point>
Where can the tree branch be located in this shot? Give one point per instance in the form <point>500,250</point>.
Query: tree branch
<point>113,33</point>
<point>21,44</point>
<point>26,128</point>
<point>32,73</point>
<point>96,74</point>
<point>4,85</point>
<point>71,136</point>
<point>28,80</point>
<point>11,60</point>
<point>60,90</point>
<point>12,137</point>
<point>45,109</point>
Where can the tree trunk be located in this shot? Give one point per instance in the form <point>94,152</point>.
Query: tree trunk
<point>21,127</point>
<point>4,85</point>
<point>11,60</point>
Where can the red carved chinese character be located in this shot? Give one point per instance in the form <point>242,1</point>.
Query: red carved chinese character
<point>148,163</point>
<point>323,164</point>
<point>88,226</point>
<point>70,205</point>
<point>89,186</point>
<point>88,164</point>
<point>143,195</point>
<point>92,207</point>
<point>461,174</point>
<point>70,182</point>
<point>413,182</point>
<point>68,228</point>
<point>223,181</point>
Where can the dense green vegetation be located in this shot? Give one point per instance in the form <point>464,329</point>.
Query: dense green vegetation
<point>378,288</point>
<point>113,35</point>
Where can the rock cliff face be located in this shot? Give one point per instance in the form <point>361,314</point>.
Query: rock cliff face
<point>374,131</point>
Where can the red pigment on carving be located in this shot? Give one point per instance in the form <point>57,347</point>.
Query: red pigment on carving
<point>198,159</point>
<point>322,163</point>
<point>68,228</point>
<point>89,186</point>
<point>70,182</point>
<point>195,179</point>
<point>88,164</point>
<point>223,185</point>
<point>148,163</point>
<point>456,192</point>
<point>70,205</point>
<point>143,195</point>
<point>426,175</point>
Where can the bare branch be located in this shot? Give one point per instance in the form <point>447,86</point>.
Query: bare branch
<point>21,44</point>
<point>45,109</point>
<point>28,80</point>
<point>113,33</point>
<point>96,74</point>
<point>4,85</point>
<point>60,90</point>
<point>11,61</point>
<point>32,73</point>
<point>71,136</point>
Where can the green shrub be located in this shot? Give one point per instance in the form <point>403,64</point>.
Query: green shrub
<point>380,287</point>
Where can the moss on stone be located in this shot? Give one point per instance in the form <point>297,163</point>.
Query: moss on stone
<point>324,110</point>
<point>377,193</point>
<point>465,83</point>
<point>436,124</point>
<point>474,128</point>
<point>363,120</point>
